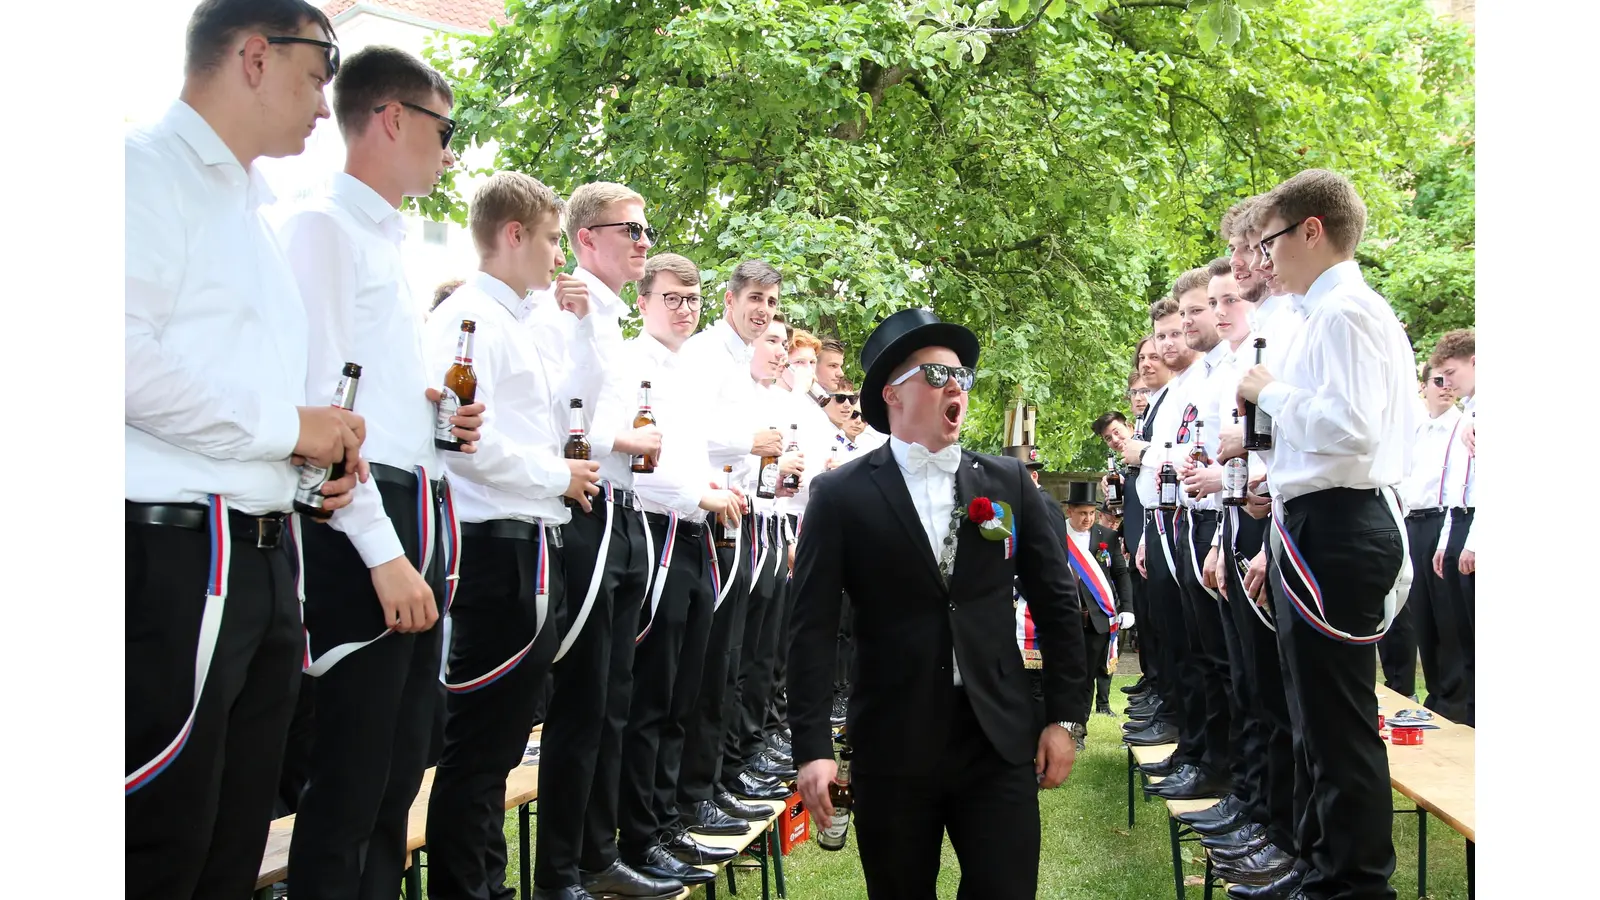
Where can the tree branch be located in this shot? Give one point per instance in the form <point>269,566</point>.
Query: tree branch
<point>1151,4</point>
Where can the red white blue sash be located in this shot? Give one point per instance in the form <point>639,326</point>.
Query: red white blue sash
<point>576,628</point>
<point>758,559</point>
<point>733,566</point>
<point>1093,579</point>
<point>451,528</point>
<point>541,608</point>
<point>1305,593</point>
<point>1027,634</point>
<point>219,563</point>
<point>660,578</point>
<point>1259,607</point>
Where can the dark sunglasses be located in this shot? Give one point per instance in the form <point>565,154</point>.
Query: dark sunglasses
<point>856,414</point>
<point>676,301</point>
<point>845,398</point>
<point>331,49</point>
<point>634,230</point>
<point>938,374</point>
<point>449,123</point>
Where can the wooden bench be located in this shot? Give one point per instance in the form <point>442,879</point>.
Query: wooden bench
<point>1143,755</point>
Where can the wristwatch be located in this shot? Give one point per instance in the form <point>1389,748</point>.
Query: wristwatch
<point>1075,729</point>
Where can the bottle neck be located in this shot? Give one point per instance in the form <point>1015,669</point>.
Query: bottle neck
<point>644,399</point>
<point>344,396</point>
<point>577,422</point>
<point>464,348</point>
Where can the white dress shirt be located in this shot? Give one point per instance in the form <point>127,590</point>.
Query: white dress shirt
<point>871,438</point>
<point>594,367</point>
<point>344,247</point>
<point>1460,475</point>
<point>517,471</point>
<point>1185,388</point>
<point>683,473</point>
<point>1341,406</point>
<point>1200,391</point>
<point>933,493</point>
<point>215,334</point>
<point>815,437</point>
<point>721,360</point>
<point>1431,444</point>
<point>1168,413</point>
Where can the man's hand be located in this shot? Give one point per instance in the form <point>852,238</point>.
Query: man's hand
<point>768,442</point>
<point>585,482</point>
<point>1251,384</point>
<point>572,294</point>
<point>1211,573</point>
<point>815,776</point>
<point>1203,482</point>
<point>406,598</point>
<point>1255,505</point>
<point>1438,563</point>
<point>727,504</point>
<point>1055,757</point>
<point>1132,449</point>
<point>645,441</point>
<point>1255,580</point>
<point>1230,442</point>
<point>328,434</point>
<point>1469,438</point>
<point>467,422</point>
<point>1138,558</point>
<point>337,494</point>
<point>1468,563</point>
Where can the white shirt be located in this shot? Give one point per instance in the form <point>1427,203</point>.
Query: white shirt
<point>1460,475</point>
<point>1180,392</point>
<point>722,360</point>
<point>1169,412</point>
<point>1081,538</point>
<point>933,493</point>
<point>1430,446</point>
<point>1341,406</point>
<point>517,471</point>
<point>595,358</point>
<point>215,335</point>
<point>1200,391</point>
<point>683,473</point>
<point>344,248</point>
<point>815,437</point>
<point>871,438</point>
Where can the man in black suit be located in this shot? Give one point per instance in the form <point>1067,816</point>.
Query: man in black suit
<point>941,721</point>
<point>1098,545</point>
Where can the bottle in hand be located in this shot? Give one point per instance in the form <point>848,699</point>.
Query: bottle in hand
<point>644,463</point>
<point>1257,422</point>
<point>460,388</point>
<point>1113,484</point>
<point>577,446</point>
<point>1197,451</point>
<point>767,478</point>
<point>835,832</point>
<point>721,533</point>
<point>792,480</point>
<point>308,495</point>
<point>1168,484</point>
<point>1235,477</point>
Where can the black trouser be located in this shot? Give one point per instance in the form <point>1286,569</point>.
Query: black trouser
<point>374,714</point>
<point>1265,782</point>
<point>199,826</point>
<point>716,706</point>
<point>1096,645</point>
<point>576,735</point>
<point>1164,603</point>
<point>1351,544</point>
<point>1462,591</point>
<point>1207,734</point>
<point>989,807</point>
<point>1436,619</point>
<point>493,619</point>
<point>296,766</point>
<point>846,650</point>
<point>778,706</point>
<point>1149,641</point>
<point>747,734</point>
<point>667,664</point>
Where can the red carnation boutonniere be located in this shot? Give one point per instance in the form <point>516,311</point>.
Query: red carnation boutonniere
<point>994,520</point>
<point>1104,554</point>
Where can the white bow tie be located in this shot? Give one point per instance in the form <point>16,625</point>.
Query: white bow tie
<point>948,459</point>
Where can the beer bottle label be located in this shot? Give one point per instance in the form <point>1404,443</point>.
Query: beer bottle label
<point>1169,493</point>
<point>1234,479</point>
<point>312,478</point>
<point>769,478</point>
<point>448,404</point>
<point>1263,422</point>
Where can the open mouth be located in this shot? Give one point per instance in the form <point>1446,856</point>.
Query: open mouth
<point>952,414</point>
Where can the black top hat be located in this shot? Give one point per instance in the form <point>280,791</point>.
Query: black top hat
<point>1080,493</point>
<point>896,338</point>
<point>1034,462</point>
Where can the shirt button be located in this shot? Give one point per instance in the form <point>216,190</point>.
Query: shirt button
<point>952,607</point>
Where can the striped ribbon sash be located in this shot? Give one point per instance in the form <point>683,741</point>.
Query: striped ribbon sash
<point>541,608</point>
<point>660,577</point>
<point>717,585</point>
<point>1166,543</point>
<point>1260,607</point>
<point>576,628</point>
<point>1300,586</point>
<point>1093,579</point>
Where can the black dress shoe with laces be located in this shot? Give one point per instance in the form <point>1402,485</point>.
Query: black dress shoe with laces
<point>1161,768</point>
<point>777,742</point>
<point>1184,770</point>
<point>763,765</point>
<point>1236,844</point>
<point>1284,887</point>
<point>749,787</point>
<point>571,892</point>
<point>1261,867</point>
<point>778,756</point>
<point>1157,733</point>
<point>683,845</point>
<point>733,806</point>
<point>657,862</point>
<point>620,882</point>
<point>1217,827</point>
<point>1225,808</point>
<point>706,818</point>
<point>1136,687</point>
<point>1199,786</point>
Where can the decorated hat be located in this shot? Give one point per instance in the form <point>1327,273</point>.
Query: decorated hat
<point>1033,461</point>
<point>1080,493</point>
<point>896,338</point>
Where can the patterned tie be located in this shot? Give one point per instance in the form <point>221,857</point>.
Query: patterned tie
<point>947,558</point>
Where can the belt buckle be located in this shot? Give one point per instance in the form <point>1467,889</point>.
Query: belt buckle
<point>269,531</point>
<point>553,535</point>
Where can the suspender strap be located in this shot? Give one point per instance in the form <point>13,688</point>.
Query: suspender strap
<point>576,628</point>
<point>541,609</point>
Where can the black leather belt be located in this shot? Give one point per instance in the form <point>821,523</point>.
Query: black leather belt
<point>1205,515</point>
<point>510,530</point>
<point>265,531</point>
<point>400,478</point>
<point>1434,513</point>
<point>686,529</point>
<point>620,497</point>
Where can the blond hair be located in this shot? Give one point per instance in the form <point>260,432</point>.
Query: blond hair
<point>1238,215</point>
<point>677,266</point>
<point>505,197</point>
<point>1321,194</point>
<point>1194,278</point>
<point>588,205</point>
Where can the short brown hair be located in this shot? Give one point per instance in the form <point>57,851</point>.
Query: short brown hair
<point>590,201</point>
<point>753,271</point>
<point>215,24</point>
<point>1139,348</point>
<point>1458,344</point>
<point>443,292</point>
<point>845,384</point>
<point>382,75</point>
<point>1219,267</point>
<point>677,266</point>
<point>504,197</point>
<point>1322,194</point>
<point>831,345</point>
<point>1188,281</point>
<point>802,339</point>
<point>1162,308</point>
<point>1134,376</point>
<point>1102,423</point>
<point>1234,219</point>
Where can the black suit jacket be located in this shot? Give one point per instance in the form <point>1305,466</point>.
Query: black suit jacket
<point>1116,573</point>
<point>862,536</point>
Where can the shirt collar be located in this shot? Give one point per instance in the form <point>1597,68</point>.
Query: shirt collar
<point>193,129</point>
<point>1338,274</point>
<point>358,195</point>
<point>1214,355</point>
<point>657,351</point>
<point>519,307</point>
<point>607,301</point>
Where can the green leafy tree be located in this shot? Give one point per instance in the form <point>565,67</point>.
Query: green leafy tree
<point>1038,171</point>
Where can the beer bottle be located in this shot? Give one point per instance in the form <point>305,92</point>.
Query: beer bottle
<point>308,495</point>
<point>1197,451</point>
<point>767,479</point>
<point>792,480</point>
<point>577,446</point>
<point>460,387</point>
<point>1168,481</point>
<point>721,533</point>
<point>1138,435</point>
<point>1235,477</point>
<point>1257,421</point>
<point>645,463</point>
<point>1113,484</point>
<point>833,833</point>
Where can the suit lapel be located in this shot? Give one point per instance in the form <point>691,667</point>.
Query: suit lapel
<point>967,488</point>
<point>886,474</point>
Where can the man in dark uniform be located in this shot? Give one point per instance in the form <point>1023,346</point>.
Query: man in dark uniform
<point>1096,544</point>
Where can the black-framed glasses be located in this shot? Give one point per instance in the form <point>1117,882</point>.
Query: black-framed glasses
<point>635,230</point>
<point>938,374</point>
<point>1138,392</point>
<point>1266,242</point>
<point>449,123</point>
<point>331,48</point>
<point>676,301</point>
<point>856,414</point>
<point>844,398</point>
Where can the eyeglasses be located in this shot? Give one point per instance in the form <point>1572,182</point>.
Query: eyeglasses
<point>331,48</point>
<point>634,230</point>
<point>842,399</point>
<point>1266,242</point>
<point>938,374</point>
<point>1138,392</point>
<point>449,123</point>
<point>856,414</point>
<point>676,301</point>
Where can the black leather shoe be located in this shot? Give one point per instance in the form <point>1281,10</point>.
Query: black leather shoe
<point>1184,770</point>
<point>1198,787</point>
<point>1215,827</point>
<point>1236,844</point>
<point>778,756</point>
<point>657,862</point>
<point>739,809</point>
<point>1285,887</point>
<point>1161,768</point>
<point>620,882</point>
<point>746,786</point>
<point>840,711</point>
<point>1157,733</point>
<point>571,892</point>
<point>1261,867</point>
<point>777,742</point>
<point>1136,687</point>
<point>1103,709</point>
<point>1226,808</point>
<point>764,766</point>
<point>706,818</point>
<point>686,848</point>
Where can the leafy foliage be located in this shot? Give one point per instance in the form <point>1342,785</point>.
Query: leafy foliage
<point>1038,170</point>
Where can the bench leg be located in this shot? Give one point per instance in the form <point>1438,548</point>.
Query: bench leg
<point>414,878</point>
<point>1131,768</point>
<point>1422,853</point>
<point>777,862</point>
<point>525,864</point>
<point>711,889</point>
<point>1210,878</point>
<point>766,888</point>
<point>1177,858</point>
<point>1472,849</point>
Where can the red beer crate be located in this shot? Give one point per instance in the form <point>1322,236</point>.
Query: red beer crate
<point>794,824</point>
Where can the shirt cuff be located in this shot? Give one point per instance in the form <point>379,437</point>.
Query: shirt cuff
<point>1274,396</point>
<point>378,544</point>
<point>277,433</point>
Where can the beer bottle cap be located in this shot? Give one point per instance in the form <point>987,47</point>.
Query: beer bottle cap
<point>468,325</point>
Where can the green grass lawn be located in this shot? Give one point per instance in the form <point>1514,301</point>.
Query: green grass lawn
<point>1088,853</point>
